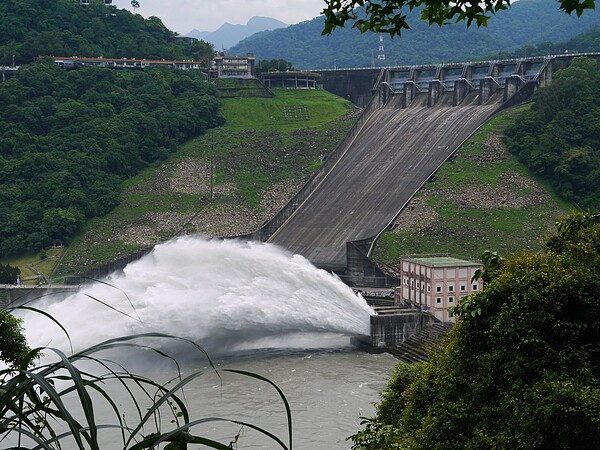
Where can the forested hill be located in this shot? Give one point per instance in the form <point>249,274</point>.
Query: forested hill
<point>70,137</point>
<point>559,138</point>
<point>527,22</point>
<point>582,43</point>
<point>63,27</point>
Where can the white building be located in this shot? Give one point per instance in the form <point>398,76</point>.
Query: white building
<point>436,284</point>
<point>234,66</point>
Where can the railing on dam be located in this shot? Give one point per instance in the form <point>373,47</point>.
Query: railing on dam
<point>463,77</point>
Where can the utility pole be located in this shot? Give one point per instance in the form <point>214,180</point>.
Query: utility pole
<point>212,151</point>
<point>13,60</point>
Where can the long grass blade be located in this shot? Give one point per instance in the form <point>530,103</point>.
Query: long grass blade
<point>84,396</point>
<point>44,313</point>
<point>120,290</point>
<point>288,410</point>
<point>63,412</point>
<point>169,395</point>
<point>67,434</point>
<point>153,441</point>
<point>184,428</point>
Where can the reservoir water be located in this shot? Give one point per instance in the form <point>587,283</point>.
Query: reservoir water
<point>253,307</point>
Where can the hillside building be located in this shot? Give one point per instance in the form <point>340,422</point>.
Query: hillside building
<point>74,62</point>
<point>291,80</point>
<point>436,284</point>
<point>234,66</point>
<point>87,2</point>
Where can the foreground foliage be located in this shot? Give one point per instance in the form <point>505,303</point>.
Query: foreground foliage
<point>36,406</point>
<point>390,16</point>
<point>521,369</point>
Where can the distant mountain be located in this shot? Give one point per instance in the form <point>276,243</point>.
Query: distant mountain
<point>526,22</point>
<point>227,35</point>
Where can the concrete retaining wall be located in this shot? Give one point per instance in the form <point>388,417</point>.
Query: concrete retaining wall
<point>16,296</point>
<point>391,330</point>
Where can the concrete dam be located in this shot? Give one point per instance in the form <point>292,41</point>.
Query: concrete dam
<point>396,151</point>
<point>416,119</point>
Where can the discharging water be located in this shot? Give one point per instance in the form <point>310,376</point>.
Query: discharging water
<point>225,295</point>
<point>253,307</point>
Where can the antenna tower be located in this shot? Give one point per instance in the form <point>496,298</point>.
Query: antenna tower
<point>381,54</point>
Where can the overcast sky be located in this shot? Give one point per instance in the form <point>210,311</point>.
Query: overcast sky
<point>183,16</point>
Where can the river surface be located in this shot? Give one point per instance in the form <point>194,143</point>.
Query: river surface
<point>328,391</point>
<point>253,307</point>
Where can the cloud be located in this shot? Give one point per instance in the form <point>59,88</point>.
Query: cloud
<point>183,16</point>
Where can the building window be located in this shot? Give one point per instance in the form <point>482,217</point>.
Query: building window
<point>463,287</point>
<point>450,299</point>
<point>475,287</point>
<point>438,300</point>
<point>438,289</point>
<point>451,288</point>
<point>428,288</point>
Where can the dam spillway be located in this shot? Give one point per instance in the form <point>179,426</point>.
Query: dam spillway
<point>392,156</point>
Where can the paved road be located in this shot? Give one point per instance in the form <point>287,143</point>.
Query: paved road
<point>394,154</point>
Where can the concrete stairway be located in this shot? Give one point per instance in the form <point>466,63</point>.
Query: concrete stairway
<point>414,349</point>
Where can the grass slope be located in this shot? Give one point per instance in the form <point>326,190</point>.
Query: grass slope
<point>480,199</point>
<point>260,158</point>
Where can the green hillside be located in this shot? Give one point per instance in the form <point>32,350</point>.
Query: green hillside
<point>482,199</point>
<point>526,22</point>
<point>582,43</point>
<point>559,138</point>
<point>260,158</point>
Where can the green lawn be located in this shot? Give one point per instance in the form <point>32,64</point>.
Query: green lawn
<point>30,265</point>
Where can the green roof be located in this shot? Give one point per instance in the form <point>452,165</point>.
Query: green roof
<point>443,261</point>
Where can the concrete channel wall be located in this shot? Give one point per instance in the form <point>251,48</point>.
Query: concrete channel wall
<point>390,330</point>
<point>11,296</point>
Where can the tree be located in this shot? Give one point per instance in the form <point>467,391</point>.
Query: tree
<point>274,65</point>
<point>390,16</point>
<point>559,137</point>
<point>9,274</point>
<point>521,369</point>
<point>71,137</point>
<point>13,346</point>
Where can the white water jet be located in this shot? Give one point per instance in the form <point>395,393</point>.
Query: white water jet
<point>226,295</point>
